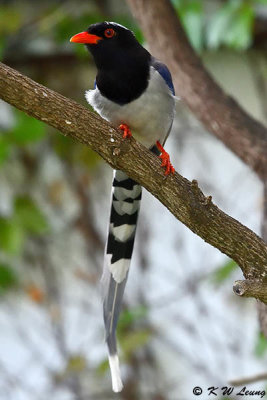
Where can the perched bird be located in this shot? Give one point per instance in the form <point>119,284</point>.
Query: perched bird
<point>133,91</point>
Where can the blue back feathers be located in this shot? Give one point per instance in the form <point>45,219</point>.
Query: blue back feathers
<point>164,72</point>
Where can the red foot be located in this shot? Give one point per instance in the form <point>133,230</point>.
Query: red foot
<point>126,131</point>
<point>165,160</point>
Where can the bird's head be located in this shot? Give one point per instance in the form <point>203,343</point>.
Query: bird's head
<point>107,40</point>
<point>113,46</point>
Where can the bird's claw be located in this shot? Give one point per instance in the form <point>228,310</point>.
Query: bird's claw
<point>165,160</point>
<point>126,131</point>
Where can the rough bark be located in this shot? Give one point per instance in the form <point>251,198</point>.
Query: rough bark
<point>183,198</point>
<point>262,308</point>
<point>249,288</point>
<point>220,113</point>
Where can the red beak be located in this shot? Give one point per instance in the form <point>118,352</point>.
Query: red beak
<point>85,37</point>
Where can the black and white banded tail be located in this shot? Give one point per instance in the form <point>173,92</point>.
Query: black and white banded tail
<point>126,196</point>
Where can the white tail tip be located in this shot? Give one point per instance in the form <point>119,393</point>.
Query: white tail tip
<point>115,373</point>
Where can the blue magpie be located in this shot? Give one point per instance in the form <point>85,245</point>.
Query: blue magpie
<point>133,91</point>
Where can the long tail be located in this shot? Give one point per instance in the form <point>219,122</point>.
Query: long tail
<point>123,219</point>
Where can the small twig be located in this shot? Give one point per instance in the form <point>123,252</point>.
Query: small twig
<point>247,380</point>
<point>249,288</point>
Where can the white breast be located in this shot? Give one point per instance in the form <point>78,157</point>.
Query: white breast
<point>149,117</point>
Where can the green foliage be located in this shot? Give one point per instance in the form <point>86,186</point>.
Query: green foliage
<point>224,272</point>
<point>27,129</point>
<point>27,219</point>
<point>10,19</point>
<point>261,345</point>
<point>228,24</point>
<point>134,340</point>
<point>8,278</point>
<point>130,316</point>
<point>130,339</point>
<point>191,14</point>
<point>4,149</point>
<point>11,236</point>
<point>231,25</point>
<point>74,152</point>
<point>29,216</point>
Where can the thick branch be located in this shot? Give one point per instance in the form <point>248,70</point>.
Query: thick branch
<point>245,136</point>
<point>183,198</point>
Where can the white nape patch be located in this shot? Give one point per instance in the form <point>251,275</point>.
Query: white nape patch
<point>123,232</point>
<point>119,269</point>
<point>122,207</point>
<point>116,24</point>
<point>149,117</point>
<point>115,373</point>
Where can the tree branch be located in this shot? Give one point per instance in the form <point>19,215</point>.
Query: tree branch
<point>250,288</point>
<point>220,113</point>
<point>248,380</point>
<point>184,199</point>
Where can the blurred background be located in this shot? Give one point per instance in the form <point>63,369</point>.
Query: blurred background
<point>181,325</point>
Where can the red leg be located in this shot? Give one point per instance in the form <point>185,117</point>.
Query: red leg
<point>126,131</point>
<point>165,160</point>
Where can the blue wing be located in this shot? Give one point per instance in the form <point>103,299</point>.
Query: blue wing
<point>164,72</point>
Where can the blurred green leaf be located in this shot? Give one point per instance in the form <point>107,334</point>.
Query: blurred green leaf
<point>29,216</point>
<point>75,152</point>
<point>27,129</point>
<point>102,367</point>
<point>11,236</point>
<point>86,156</point>
<point>134,340</point>
<point>261,345</point>
<point>220,23</point>
<point>10,19</point>
<point>231,25</point>
<point>191,14</point>
<point>224,272</point>
<point>128,317</point>
<point>4,149</point>
<point>76,364</point>
<point>239,34</point>
<point>8,278</point>
<point>2,46</point>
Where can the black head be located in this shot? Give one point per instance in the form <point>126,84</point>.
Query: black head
<point>108,42</point>
<point>122,63</point>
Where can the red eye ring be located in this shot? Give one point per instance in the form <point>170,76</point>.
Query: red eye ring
<point>109,33</point>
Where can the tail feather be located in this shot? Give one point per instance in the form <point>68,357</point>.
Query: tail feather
<point>123,219</point>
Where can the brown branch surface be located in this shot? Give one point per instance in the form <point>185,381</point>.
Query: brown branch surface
<point>249,288</point>
<point>220,113</point>
<point>184,199</point>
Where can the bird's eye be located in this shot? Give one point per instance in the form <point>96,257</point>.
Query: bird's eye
<point>109,33</point>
